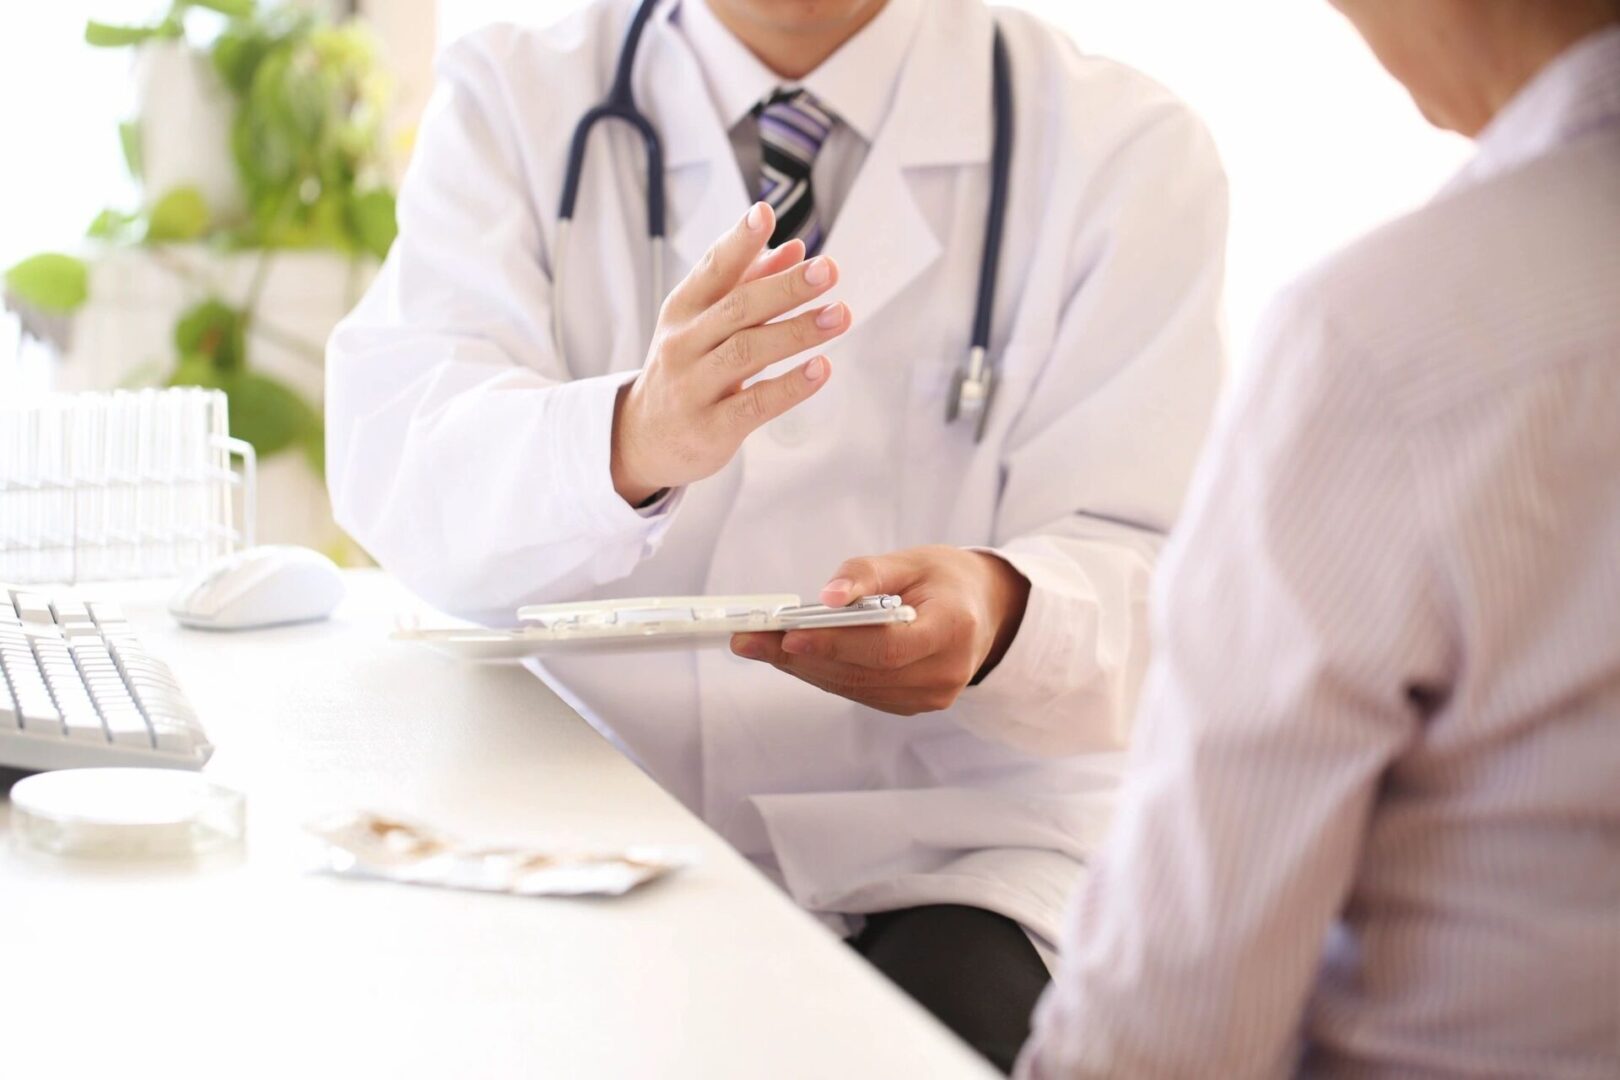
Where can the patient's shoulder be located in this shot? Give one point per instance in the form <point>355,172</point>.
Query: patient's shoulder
<point>1487,285</point>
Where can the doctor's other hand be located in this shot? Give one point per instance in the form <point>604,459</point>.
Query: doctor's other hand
<point>688,411</point>
<point>969,606</point>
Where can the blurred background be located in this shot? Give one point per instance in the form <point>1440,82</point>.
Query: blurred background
<point>189,199</point>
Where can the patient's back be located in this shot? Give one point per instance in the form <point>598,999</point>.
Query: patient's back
<point>1488,895</point>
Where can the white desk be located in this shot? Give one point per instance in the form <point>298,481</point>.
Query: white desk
<point>261,968</point>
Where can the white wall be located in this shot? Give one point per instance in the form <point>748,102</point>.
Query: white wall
<point>1319,142</point>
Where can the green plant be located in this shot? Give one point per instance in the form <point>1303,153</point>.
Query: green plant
<point>312,104</point>
<point>211,341</point>
<point>171,27</point>
<point>53,283</point>
<point>308,145</point>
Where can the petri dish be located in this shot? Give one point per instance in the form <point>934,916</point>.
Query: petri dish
<point>126,814</point>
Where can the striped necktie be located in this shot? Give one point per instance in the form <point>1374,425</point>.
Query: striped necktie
<point>792,127</point>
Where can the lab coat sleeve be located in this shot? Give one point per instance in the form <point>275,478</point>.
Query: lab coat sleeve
<point>1299,610</point>
<point>461,453</point>
<point>1097,463</point>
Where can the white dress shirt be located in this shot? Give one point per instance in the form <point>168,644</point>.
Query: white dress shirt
<point>1372,826</point>
<point>855,84</point>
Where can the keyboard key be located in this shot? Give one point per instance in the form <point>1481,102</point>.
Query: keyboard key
<point>28,687</point>
<point>33,609</point>
<point>86,726</point>
<point>105,613</point>
<point>40,716</point>
<point>177,738</point>
<point>76,708</point>
<point>68,609</point>
<point>127,727</point>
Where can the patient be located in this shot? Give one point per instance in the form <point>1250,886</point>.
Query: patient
<point>1373,826</point>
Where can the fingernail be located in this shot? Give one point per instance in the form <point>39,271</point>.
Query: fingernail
<point>830,316</point>
<point>749,650</point>
<point>839,585</point>
<point>817,272</point>
<point>816,369</point>
<point>795,645</point>
<point>756,217</point>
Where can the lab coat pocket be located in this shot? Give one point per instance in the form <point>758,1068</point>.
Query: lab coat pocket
<point>952,481</point>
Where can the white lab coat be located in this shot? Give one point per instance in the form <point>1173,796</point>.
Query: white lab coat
<point>474,465</point>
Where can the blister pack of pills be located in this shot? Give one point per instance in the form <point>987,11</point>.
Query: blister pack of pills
<point>369,845</point>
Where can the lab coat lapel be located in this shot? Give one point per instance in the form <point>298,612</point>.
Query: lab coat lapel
<point>941,116</point>
<point>705,199</point>
<point>704,187</point>
<point>882,239</point>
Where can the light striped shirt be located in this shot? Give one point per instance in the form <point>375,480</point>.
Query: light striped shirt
<point>1373,822</point>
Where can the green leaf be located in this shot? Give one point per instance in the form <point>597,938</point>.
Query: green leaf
<point>109,36</point>
<point>214,332</point>
<point>129,137</point>
<point>57,284</point>
<point>114,226</point>
<point>196,371</point>
<point>268,413</point>
<point>180,215</point>
<point>239,9</point>
<point>372,219</point>
<point>327,222</point>
<point>237,55</point>
<point>313,445</point>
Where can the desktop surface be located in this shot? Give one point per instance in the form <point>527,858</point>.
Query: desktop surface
<point>257,966</point>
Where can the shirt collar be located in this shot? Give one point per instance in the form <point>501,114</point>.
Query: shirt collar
<point>1574,95</point>
<point>856,83</point>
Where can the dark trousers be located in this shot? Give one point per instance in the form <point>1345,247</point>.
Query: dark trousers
<point>973,969</point>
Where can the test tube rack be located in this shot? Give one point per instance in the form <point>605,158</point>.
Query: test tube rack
<point>120,486</point>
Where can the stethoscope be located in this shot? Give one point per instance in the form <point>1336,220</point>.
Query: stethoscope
<point>973,388</point>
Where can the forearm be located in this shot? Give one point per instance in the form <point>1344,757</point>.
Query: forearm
<point>479,482</point>
<point>1067,681</point>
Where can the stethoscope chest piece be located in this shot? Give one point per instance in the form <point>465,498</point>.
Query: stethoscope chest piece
<point>973,391</point>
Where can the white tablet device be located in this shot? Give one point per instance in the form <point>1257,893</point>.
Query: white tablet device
<point>651,623</point>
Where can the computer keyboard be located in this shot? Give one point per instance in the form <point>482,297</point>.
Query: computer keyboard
<point>77,689</point>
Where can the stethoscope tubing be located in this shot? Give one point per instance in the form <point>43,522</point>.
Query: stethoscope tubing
<point>620,105</point>
<point>975,382</point>
<point>1000,174</point>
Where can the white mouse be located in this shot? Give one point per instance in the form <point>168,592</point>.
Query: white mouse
<point>262,586</point>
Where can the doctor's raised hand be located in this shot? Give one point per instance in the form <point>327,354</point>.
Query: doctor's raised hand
<point>969,607</point>
<point>687,412</point>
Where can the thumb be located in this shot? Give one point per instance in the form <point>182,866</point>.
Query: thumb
<point>867,576</point>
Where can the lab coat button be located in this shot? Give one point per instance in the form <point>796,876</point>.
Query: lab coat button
<point>789,430</point>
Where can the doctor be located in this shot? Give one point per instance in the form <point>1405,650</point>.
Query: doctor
<point>933,790</point>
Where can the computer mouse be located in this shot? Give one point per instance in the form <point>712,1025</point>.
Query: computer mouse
<point>272,585</point>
